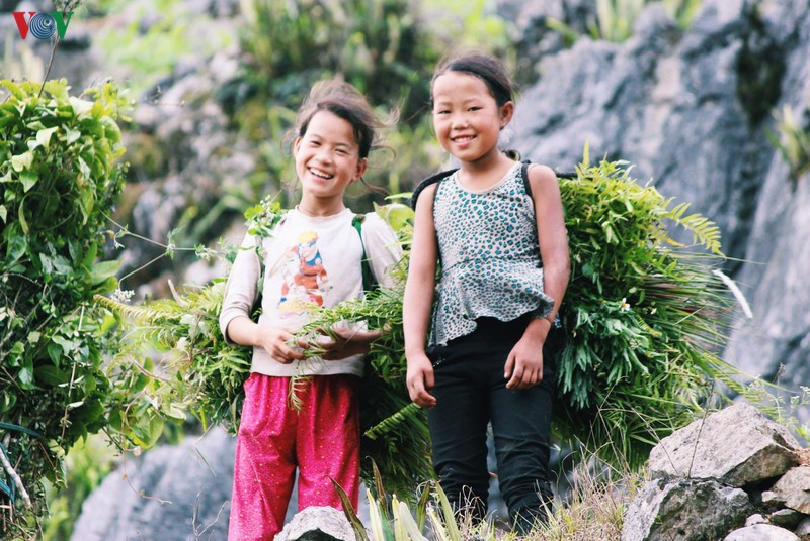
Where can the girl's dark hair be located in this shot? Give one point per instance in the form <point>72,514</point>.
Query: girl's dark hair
<point>343,100</point>
<point>485,67</point>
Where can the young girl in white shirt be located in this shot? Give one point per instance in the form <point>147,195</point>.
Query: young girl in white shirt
<point>311,260</point>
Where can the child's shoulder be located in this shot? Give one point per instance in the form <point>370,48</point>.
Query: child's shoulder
<point>429,185</point>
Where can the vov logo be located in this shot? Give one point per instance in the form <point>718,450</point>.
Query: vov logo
<point>42,25</point>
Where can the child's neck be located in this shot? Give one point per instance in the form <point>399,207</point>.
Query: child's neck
<point>315,210</point>
<point>482,174</point>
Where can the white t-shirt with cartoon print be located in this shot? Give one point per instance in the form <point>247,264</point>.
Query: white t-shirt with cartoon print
<point>309,263</point>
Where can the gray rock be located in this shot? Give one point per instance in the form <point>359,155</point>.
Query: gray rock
<point>737,445</point>
<point>772,499</point>
<point>794,488</point>
<point>755,519</point>
<point>803,529</point>
<point>317,524</point>
<point>761,532</point>
<point>171,493</point>
<point>684,510</point>
<point>786,518</point>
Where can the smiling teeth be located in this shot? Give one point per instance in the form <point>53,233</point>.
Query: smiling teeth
<point>463,139</point>
<point>320,174</point>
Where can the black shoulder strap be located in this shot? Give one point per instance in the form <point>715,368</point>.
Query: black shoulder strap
<point>369,280</point>
<point>427,182</point>
<point>524,175</point>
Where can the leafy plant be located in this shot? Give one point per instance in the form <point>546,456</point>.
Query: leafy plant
<point>178,33</point>
<point>59,178</point>
<point>792,139</point>
<point>643,315</point>
<point>615,18</point>
<point>392,520</point>
<point>86,465</point>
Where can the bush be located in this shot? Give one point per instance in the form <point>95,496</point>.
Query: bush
<point>59,181</point>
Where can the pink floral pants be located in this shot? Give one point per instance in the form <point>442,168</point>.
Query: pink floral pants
<point>322,441</point>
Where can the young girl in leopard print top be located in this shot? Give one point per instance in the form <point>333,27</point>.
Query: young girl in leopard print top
<point>488,335</point>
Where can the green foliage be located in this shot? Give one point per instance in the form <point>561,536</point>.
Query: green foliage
<point>476,24</point>
<point>381,47</point>
<point>643,315</point>
<point>615,19</point>
<point>86,465</point>
<point>792,139</point>
<point>377,46</point>
<point>59,180</point>
<point>392,520</point>
<point>177,33</point>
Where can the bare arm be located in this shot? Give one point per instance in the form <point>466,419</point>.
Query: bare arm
<point>418,300</point>
<point>524,367</point>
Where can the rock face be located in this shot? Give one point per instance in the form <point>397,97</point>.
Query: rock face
<point>685,510</point>
<point>186,495</point>
<point>691,109</point>
<point>710,483</point>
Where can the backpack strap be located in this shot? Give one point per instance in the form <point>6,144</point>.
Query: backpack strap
<point>370,282</point>
<point>427,182</point>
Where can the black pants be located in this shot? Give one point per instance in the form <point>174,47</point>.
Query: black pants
<point>470,392</point>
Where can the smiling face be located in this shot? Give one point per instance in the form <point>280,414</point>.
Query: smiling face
<point>327,161</point>
<point>466,117</point>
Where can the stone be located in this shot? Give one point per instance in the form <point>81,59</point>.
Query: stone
<point>317,524</point>
<point>794,488</point>
<point>185,494</point>
<point>762,532</point>
<point>684,510</point>
<point>803,529</point>
<point>737,446</point>
<point>772,499</point>
<point>755,519</point>
<point>786,518</point>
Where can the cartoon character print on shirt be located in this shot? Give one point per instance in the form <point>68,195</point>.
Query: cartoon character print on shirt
<point>304,278</point>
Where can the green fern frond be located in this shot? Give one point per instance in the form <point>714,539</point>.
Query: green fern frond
<point>408,413</point>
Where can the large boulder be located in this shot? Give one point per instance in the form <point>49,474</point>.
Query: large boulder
<point>173,493</point>
<point>737,446</point>
<point>684,510</point>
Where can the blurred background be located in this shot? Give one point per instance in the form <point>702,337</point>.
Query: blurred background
<point>708,99</point>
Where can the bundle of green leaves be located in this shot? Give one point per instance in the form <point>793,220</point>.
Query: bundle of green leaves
<point>59,181</point>
<point>644,315</point>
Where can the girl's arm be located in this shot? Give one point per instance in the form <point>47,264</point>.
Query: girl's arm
<point>418,300</point>
<point>240,293</point>
<point>524,366</point>
<point>552,236</point>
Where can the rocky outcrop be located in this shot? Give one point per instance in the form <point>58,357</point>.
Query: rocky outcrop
<point>171,493</point>
<point>735,475</point>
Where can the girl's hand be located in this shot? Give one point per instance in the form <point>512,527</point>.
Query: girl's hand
<point>419,379</point>
<point>524,364</point>
<point>275,341</point>
<point>345,343</point>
